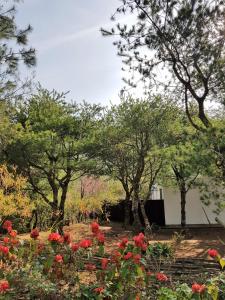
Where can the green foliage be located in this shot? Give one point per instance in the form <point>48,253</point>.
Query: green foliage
<point>129,144</point>
<point>160,250</point>
<point>50,143</point>
<point>89,195</point>
<point>182,37</point>
<point>182,292</point>
<point>13,50</point>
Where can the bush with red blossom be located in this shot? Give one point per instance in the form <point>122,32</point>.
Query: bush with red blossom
<point>4,286</point>
<point>40,268</point>
<point>54,237</point>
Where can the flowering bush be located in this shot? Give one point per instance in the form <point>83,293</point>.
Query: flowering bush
<point>55,270</point>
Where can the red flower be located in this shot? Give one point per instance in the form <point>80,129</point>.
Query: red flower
<point>7,225</point>
<point>34,233</point>
<point>123,243</point>
<point>128,255</point>
<point>67,238</point>
<point>13,233</point>
<point>85,243</point>
<point>101,238</point>
<point>139,240</point>
<point>198,288</point>
<point>4,286</point>
<point>99,290</point>
<point>90,267</point>
<point>161,277</point>
<point>6,240</point>
<point>4,249</point>
<point>14,241</point>
<point>54,237</point>
<point>116,256</point>
<point>213,253</point>
<point>41,246</point>
<point>104,263</point>
<point>94,227</point>
<point>144,247</point>
<point>59,258</point>
<point>75,247</point>
<point>149,273</point>
<point>137,258</point>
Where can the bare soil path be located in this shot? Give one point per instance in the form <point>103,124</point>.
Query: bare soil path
<point>195,244</point>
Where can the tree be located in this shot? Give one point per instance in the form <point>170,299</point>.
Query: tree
<point>48,148</point>
<point>13,197</point>
<point>92,195</point>
<point>186,40</point>
<point>13,50</point>
<point>186,159</point>
<point>186,37</point>
<point>129,134</point>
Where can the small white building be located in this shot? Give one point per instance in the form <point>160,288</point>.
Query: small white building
<point>196,211</point>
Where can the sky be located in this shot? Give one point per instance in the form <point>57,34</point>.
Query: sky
<point>72,55</point>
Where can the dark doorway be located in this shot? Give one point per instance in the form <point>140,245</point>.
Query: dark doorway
<point>154,210</point>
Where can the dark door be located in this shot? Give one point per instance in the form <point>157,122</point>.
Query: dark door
<point>155,212</point>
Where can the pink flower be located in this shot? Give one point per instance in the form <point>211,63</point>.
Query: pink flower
<point>59,258</point>
<point>4,286</point>
<point>198,288</point>
<point>128,255</point>
<point>54,237</point>
<point>85,243</point>
<point>104,263</point>
<point>213,253</point>
<point>161,277</point>
<point>94,227</point>
<point>34,233</point>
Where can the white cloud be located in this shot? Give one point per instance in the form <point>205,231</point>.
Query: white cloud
<point>65,39</point>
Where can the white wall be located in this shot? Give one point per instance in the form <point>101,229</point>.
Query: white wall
<point>194,208</point>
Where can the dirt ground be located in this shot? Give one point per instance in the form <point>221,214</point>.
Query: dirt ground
<point>195,244</point>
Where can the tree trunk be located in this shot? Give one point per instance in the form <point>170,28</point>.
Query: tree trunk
<point>145,217</point>
<point>54,219</point>
<point>62,206</point>
<point>183,193</point>
<point>137,222</point>
<point>126,211</point>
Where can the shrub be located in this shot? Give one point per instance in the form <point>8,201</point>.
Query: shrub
<point>55,270</point>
